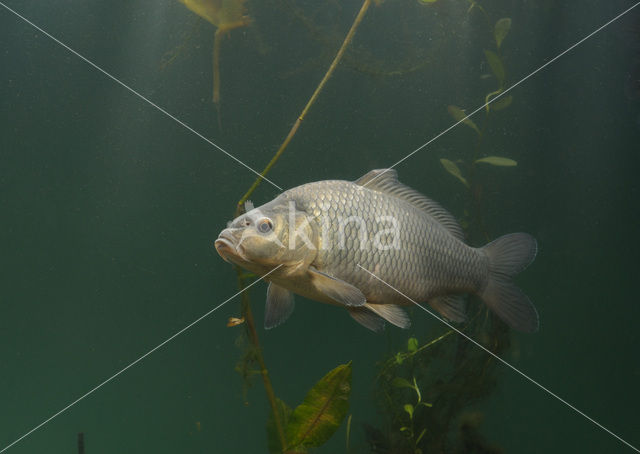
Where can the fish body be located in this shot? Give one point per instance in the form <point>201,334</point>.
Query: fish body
<point>373,246</point>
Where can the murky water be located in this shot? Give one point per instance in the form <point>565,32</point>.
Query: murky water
<point>110,208</point>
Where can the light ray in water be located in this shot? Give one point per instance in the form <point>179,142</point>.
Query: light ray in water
<point>118,81</point>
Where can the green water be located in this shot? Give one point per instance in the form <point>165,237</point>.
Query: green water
<point>110,208</point>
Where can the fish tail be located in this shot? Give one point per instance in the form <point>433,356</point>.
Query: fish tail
<point>508,255</point>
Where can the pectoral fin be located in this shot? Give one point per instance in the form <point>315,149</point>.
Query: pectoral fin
<point>337,289</point>
<point>279,306</point>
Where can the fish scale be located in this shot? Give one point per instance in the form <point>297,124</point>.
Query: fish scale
<point>429,261</point>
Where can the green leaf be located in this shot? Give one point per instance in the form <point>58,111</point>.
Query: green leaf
<point>498,161</point>
<point>409,409</point>
<point>496,65</point>
<point>501,30</point>
<point>453,169</point>
<point>458,115</point>
<point>400,382</point>
<point>399,358</point>
<point>273,440</point>
<point>412,344</point>
<point>502,103</point>
<point>489,96</point>
<point>315,420</point>
<point>427,2</point>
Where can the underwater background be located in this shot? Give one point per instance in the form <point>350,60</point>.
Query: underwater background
<point>109,210</point>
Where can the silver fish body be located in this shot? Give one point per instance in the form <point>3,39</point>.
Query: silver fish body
<point>329,237</point>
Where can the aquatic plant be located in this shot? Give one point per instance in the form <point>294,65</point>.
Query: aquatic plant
<point>424,390</point>
<point>425,387</point>
<point>334,64</point>
<point>465,171</point>
<point>314,421</point>
<point>225,15</point>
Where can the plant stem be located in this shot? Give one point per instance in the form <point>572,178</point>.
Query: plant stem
<point>216,74</point>
<point>253,338</point>
<point>248,315</point>
<point>316,93</point>
<point>81,443</point>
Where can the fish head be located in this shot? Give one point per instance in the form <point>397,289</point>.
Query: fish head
<point>268,236</point>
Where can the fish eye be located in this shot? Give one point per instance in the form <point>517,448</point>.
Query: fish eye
<point>264,225</point>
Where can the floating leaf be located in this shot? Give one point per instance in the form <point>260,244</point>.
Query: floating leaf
<point>315,420</point>
<point>427,2</point>
<point>458,115</point>
<point>400,382</point>
<point>498,161</point>
<point>412,344</point>
<point>496,65</point>
<point>453,169</point>
<point>409,409</point>
<point>273,439</point>
<point>501,30</point>
<point>502,103</point>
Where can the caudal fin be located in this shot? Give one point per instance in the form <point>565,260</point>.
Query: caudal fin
<point>508,255</point>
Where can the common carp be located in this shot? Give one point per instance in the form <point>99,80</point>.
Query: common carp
<point>324,236</point>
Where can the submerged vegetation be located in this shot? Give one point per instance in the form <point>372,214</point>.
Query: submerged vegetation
<point>465,170</point>
<point>225,15</point>
<point>423,390</point>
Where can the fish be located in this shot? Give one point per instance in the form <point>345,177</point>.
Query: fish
<point>374,246</point>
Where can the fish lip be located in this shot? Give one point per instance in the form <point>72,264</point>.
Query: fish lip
<point>225,245</point>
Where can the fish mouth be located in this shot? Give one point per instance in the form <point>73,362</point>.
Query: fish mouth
<point>225,245</point>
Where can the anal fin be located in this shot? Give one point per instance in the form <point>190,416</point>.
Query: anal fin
<point>451,307</point>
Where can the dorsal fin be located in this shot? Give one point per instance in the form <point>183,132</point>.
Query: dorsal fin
<point>386,181</point>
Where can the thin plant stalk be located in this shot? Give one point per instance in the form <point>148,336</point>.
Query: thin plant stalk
<point>216,73</point>
<point>264,373</point>
<point>316,93</point>
<point>248,315</point>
